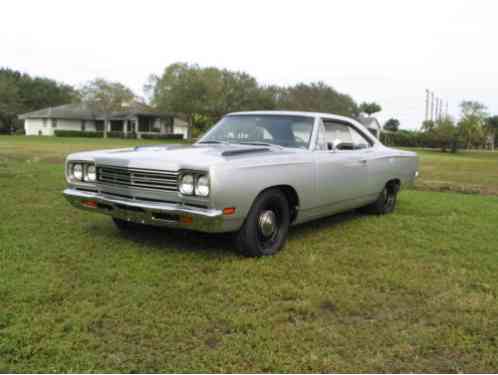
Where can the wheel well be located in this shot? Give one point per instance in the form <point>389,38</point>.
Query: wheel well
<point>394,184</point>
<point>292,198</point>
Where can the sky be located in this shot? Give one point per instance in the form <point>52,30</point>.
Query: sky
<point>384,51</point>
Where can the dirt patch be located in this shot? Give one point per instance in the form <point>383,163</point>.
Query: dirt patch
<point>328,306</point>
<point>213,342</point>
<point>54,160</point>
<point>457,188</point>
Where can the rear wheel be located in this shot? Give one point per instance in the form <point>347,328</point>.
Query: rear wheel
<point>386,202</point>
<point>266,226</point>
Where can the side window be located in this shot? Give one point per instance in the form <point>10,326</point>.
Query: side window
<point>343,134</point>
<point>359,141</point>
<point>339,133</point>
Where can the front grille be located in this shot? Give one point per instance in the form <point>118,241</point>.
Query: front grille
<point>146,179</point>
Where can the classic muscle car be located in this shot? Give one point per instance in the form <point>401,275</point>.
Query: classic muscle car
<point>253,174</point>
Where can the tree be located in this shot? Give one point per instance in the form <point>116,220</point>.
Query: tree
<point>10,103</point>
<point>181,89</point>
<point>106,97</point>
<point>492,129</point>
<point>392,125</point>
<point>445,134</point>
<point>206,94</point>
<point>370,108</point>
<point>471,124</point>
<point>20,93</point>
<point>428,125</point>
<point>315,97</point>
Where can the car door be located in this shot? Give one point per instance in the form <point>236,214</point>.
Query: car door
<point>341,174</point>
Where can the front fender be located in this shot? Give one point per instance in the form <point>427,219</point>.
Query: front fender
<point>239,186</point>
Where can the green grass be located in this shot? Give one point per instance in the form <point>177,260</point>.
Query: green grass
<point>414,291</point>
<point>468,172</point>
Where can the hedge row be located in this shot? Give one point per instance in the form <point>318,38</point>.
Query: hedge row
<point>76,133</point>
<point>417,139</point>
<point>113,134</point>
<point>162,136</point>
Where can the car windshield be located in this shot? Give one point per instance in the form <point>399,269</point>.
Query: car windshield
<point>286,131</point>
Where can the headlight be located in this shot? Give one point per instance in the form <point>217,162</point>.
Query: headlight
<point>187,184</point>
<point>202,186</point>
<point>77,171</point>
<point>91,174</point>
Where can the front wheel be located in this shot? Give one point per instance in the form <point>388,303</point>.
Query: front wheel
<point>265,229</point>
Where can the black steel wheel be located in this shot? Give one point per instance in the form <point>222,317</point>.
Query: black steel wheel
<point>265,229</point>
<point>386,202</point>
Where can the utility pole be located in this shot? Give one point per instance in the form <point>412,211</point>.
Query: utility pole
<point>427,94</point>
<point>437,110</point>
<point>432,106</point>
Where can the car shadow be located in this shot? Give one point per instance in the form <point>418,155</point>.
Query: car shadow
<point>161,238</point>
<point>212,244</point>
<point>324,222</point>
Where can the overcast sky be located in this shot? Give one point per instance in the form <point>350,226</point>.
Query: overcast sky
<point>386,51</point>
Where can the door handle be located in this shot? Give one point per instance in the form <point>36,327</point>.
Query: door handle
<point>363,161</point>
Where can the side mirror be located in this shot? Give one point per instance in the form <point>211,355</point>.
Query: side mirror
<point>332,146</point>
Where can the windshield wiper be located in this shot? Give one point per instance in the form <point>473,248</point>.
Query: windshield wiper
<point>257,143</point>
<point>214,142</point>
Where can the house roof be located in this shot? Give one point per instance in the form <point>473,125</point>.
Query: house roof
<point>84,111</point>
<point>77,111</point>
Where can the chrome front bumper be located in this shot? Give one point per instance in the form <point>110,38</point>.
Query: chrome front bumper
<point>151,213</point>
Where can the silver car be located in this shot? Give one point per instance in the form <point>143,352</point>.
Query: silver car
<point>253,174</point>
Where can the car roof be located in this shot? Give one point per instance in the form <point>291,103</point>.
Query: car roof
<point>295,113</point>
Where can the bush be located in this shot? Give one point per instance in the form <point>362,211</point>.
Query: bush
<point>428,139</point>
<point>162,136</point>
<point>77,133</point>
<point>117,134</point>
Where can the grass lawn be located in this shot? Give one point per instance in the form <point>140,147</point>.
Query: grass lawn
<point>468,172</point>
<point>414,291</point>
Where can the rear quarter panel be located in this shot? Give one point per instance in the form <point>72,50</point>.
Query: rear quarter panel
<point>388,164</point>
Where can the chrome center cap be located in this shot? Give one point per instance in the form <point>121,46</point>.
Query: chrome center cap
<point>267,223</point>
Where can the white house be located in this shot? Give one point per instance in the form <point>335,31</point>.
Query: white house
<point>372,124</point>
<point>136,119</point>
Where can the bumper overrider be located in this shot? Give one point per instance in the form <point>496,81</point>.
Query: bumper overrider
<point>151,213</point>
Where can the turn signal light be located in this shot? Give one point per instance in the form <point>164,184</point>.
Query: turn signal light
<point>229,211</point>
<point>186,219</point>
<point>89,204</point>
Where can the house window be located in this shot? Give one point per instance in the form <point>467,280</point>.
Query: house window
<point>83,125</point>
<point>99,125</point>
<point>44,122</point>
<point>54,123</point>
<point>116,126</point>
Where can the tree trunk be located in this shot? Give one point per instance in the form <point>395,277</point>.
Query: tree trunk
<point>106,126</point>
<point>189,128</point>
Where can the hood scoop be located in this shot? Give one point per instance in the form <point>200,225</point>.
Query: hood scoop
<point>159,147</point>
<point>242,151</point>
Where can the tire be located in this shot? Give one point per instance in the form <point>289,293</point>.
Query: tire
<point>265,228</point>
<point>386,202</point>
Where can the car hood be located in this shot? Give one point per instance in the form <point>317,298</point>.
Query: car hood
<point>173,157</point>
